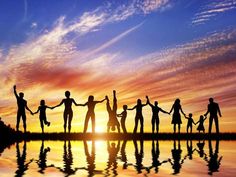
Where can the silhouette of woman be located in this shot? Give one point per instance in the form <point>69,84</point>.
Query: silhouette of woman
<point>90,113</point>
<point>68,112</point>
<point>155,115</point>
<point>176,119</point>
<point>139,115</point>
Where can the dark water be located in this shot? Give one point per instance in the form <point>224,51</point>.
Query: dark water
<point>119,158</point>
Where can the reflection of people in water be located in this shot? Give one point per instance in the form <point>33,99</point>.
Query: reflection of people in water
<point>113,123</point>
<point>113,151</point>
<point>139,115</point>
<point>200,150</point>
<point>138,156</point>
<point>68,112</point>
<point>90,113</point>
<point>155,157</point>
<point>123,156</point>
<point>176,156</point>
<point>42,162</point>
<point>190,149</point>
<point>68,160</point>
<point>21,160</point>
<point>213,159</point>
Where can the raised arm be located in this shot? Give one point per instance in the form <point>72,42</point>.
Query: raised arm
<point>16,95</point>
<point>218,109</point>
<point>148,102</point>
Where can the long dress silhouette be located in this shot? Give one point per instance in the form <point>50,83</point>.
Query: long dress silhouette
<point>90,113</point>
<point>22,105</point>
<point>138,116</point>
<point>68,112</point>
<point>176,118</point>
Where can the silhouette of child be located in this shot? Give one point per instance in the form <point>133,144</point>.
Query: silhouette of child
<point>112,122</point>
<point>90,113</point>
<point>201,124</point>
<point>190,122</point>
<point>42,114</point>
<point>123,116</point>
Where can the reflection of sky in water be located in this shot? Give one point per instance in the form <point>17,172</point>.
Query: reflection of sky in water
<point>102,158</point>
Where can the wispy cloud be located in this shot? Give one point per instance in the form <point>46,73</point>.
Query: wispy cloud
<point>211,10</point>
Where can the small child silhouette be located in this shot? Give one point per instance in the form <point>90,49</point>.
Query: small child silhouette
<point>201,124</point>
<point>42,114</point>
<point>190,122</point>
<point>123,116</point>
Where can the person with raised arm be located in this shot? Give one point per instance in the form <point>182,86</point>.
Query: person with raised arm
<point>214,110</point>
<point>90,113</point>
<point>176,118</point>
<point>139,115</point>
<point>155,114</point>
<point>68,112</point>
<point>22,105</point>
<point>42,114</point>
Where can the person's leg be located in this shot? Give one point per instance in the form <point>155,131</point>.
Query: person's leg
<point>69,121</point>
<point>179,126</point>
<point>136,125</point>
<point>93,122</point>
<point>24,121</point>
<point>174,128</point>
<point>123,127</point>
<point>141,124</point>
<point>157,125</point>
<point>210,124</point>
<point>118,128</point>
<point>18,121</point>
<point>191,129</point>
<point>153,125</point>
<point>65,121</point>
<point>86,122</point>
<point>108,127</point>
<point>114,103</point>
<point>217,124</point>
<point>41,125</point>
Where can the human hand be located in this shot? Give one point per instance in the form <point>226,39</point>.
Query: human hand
<point>14,86</point>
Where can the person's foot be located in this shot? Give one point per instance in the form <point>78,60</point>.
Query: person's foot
<point>48,124</point>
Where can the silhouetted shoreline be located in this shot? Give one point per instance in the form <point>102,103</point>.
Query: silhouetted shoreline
<point>121,136</point>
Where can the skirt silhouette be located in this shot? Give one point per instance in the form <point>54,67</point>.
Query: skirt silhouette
<point>176,119</point>
<point>200,127</point>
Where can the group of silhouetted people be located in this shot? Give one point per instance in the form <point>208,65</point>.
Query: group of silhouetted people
<point>113,123</point>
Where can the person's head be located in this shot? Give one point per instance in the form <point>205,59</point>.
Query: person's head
<point>177,101</point>
<point>42,102</point>
<point>113,128</point>
<point>201,117</point>
<point>125,107</point>
<point>113,145</point>
<point>90,98</point>
<point>190,115</point>
<point>21,94</point>
<point>67,94</point>
<point>139,101</point>
<point>156,103</point>
<point>211,100</point>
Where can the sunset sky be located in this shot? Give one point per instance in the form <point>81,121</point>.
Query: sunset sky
<point>165,49</point>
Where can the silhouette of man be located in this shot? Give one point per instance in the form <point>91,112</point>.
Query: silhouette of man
<point>112,122</point>
<point>214,110</point>
<point>155,114</point>
<point>68,112</point>
<point>22,105</point>
<point>139,115</point>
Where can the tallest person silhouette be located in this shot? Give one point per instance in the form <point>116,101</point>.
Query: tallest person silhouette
<point>68,112</point>
<point>22,105</point>
<point>214,110</point>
